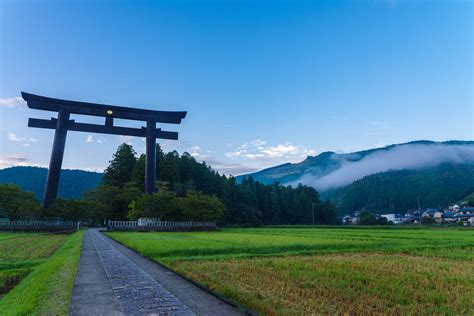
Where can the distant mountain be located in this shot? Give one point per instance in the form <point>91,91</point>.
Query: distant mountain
<point>71,185</point>
<point>398,191</point>
<point>329,170</point>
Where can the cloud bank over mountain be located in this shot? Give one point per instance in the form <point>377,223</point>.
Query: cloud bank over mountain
<point>401,157</point>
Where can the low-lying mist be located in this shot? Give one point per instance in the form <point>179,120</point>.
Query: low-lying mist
<point>410,156</point>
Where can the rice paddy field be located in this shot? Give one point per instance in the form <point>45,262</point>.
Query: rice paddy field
<point>37,272</point>
<point>299,271</point>
<point>20,253</point>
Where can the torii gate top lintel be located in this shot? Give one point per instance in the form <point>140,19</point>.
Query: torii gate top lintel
<point>62,124</point>
<point>85,108</point>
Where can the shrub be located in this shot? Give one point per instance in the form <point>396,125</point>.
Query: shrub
<point>366,218</point>
<point>200,207</point>
<point>163,205</point>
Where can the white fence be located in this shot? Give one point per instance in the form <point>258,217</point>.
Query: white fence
<point>161,225</point>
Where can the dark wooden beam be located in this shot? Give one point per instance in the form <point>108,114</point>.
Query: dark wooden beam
<point>103,129</point>
<point>85,108</point>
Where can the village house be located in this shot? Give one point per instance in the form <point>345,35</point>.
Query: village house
<point>453,214</point>
<point>394,218</point>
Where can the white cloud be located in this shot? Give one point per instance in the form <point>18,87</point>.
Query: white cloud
<point>280,150</point>
<point>11,102</point>
<point>94,169</point>
<point>25,140</point>
<point>90,139</point>
<point>13,137</point>
<point>230,168</point>
<point>258,142</point>
<point>195,151</point>
<point>256,150</point>
<point>13,160</point>
<point>253,156</point>
<point>235,154</point>
<point>126,139</point>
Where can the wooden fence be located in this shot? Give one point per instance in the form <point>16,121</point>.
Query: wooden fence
<point>161,226</point>
<point>39,226</point>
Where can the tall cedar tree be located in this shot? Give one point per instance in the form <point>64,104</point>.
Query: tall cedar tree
<point>121,166</point>
<point>138,174</point>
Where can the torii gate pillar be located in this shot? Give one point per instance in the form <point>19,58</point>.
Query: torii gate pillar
<point>150,164</point>
<point>56,160</point>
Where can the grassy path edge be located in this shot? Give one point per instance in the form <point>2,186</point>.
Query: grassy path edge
<point>47,290</point>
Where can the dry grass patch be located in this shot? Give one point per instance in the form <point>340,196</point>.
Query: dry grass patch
<point>355,283</point>
<point>29,246</point>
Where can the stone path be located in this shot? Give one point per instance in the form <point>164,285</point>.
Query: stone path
<point>92,293</point>
<point>123,282</point>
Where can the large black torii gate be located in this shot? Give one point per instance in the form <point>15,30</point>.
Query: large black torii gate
<point>62,124</point>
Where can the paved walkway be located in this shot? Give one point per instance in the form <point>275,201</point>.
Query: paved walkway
<point>114,280</point>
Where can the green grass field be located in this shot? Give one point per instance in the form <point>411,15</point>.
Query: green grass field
<point>37,272</point>
<point>278,271</point>
<point>20,253</point>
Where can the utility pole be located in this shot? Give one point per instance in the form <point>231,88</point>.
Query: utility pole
<point>312,207</point>
<point>419,211</point>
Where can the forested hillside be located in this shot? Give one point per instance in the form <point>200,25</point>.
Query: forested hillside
<point>188,190</point>
<point>330,170</point>
<point>397,191</point>
<point>246,203</point>
<point>73,182</point>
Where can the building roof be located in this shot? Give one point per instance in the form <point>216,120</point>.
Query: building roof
<point>463,215</point>
<point>449,214</point>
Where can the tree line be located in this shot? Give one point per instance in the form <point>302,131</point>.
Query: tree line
<point>187,190</point>
<point>400,190</point>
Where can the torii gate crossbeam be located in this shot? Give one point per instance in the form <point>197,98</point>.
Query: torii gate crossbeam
<point>62,124</point>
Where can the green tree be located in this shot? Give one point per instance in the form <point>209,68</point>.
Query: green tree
<point>201,207</point>
<point>162,205</point>
<point>382,221</point>
<point>121,166</point>
<point>366,218</point>
<point>114,199</point>
<point>16,204</point>
<point>75,210</point>
<point>160,158</point>
<point>170,169</point>
<point>138,173</point>
<point>428,220</point>
<point>326,213</point>
<point>470,199</point>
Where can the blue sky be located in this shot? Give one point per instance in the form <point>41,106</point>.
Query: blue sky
<point>264,82</point>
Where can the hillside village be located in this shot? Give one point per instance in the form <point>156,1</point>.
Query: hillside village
<point>455,214</point>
